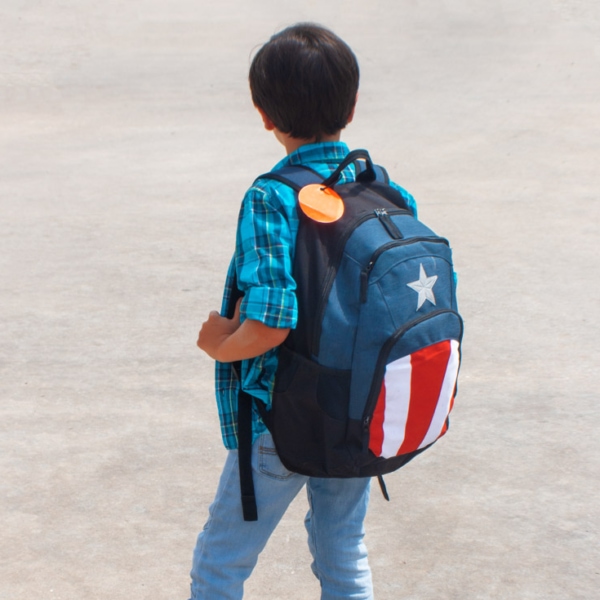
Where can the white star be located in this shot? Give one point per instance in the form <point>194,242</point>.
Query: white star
<point>424,287</point>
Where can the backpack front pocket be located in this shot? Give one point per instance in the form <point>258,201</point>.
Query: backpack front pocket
<point>413,391</point>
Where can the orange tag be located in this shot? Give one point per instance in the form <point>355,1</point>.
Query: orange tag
<point>320,203</point>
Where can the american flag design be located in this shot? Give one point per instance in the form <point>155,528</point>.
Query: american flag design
<point>415,400</point>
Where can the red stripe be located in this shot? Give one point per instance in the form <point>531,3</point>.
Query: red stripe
<point>376,428</point>
<point>428,371</point>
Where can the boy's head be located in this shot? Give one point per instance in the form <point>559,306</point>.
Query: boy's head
<point>305,80</point>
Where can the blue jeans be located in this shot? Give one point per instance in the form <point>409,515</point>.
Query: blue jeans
<point>228,547</point>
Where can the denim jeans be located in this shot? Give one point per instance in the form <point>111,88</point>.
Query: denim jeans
<point>228,547</point>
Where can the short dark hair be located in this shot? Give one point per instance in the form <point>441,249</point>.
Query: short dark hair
<point>305,79</point>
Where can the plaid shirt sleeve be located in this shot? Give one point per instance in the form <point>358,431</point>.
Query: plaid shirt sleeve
<point>264,255</point>
<point>262,269</point>
<point>408,197</point>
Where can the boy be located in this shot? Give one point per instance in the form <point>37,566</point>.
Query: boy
<point>304,83</point>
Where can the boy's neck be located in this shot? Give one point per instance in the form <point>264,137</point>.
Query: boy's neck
<point>292,144</point>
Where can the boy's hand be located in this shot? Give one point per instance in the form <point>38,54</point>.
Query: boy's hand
<point>226,340</point>
<point>216,329</point>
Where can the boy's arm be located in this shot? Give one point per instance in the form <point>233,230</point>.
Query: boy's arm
<point>226,340</point>
<point>263,270</point>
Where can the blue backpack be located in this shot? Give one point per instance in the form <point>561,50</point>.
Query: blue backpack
<point>367,379</point>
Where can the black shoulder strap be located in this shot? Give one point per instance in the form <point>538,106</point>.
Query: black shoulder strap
<point>245,404</point>
<point>249,507</point>
<point>244,423</point>
<point>296,176</point>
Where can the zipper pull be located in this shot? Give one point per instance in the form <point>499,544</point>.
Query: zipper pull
<point>364,281</point>
<point>386,221</point>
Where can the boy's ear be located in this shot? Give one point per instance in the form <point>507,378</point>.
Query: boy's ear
<point>351,115</point>
<point>269,125</point>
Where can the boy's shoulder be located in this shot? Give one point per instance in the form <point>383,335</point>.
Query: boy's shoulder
<point>268,201</point>
<point>265,189</point>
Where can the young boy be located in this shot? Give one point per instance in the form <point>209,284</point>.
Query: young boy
<point>304,83</point>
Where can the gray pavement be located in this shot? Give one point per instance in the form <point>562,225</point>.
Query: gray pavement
<point>127,138</point>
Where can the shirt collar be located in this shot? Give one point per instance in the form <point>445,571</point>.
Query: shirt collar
<point>321,152</point>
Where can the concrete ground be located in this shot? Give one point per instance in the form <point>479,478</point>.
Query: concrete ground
<point>127,140</point>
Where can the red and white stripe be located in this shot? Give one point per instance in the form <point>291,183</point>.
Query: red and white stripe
<point>415,400</point>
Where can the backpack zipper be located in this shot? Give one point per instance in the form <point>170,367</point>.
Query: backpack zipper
<point>389,225</point>
<point>366,272</point>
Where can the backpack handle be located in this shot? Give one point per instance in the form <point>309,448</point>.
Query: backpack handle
<point>367,175</point>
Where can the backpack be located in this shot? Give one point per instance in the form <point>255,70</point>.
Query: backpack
<point>367,379</point>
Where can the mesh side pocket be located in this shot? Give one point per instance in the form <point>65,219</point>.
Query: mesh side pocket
<point>309,417</point>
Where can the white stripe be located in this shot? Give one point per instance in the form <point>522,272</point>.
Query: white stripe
<point>397,400</point>
<point>443,406</point>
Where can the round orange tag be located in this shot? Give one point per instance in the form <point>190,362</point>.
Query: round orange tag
<point>320,203</point>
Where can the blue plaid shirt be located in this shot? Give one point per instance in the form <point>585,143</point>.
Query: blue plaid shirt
<point>262,266</point>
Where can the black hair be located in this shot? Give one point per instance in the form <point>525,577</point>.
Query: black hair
<point>305,79</point>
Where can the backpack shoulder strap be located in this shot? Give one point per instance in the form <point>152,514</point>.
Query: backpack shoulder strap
<point>295,177</point>
<point>245,404</point>
<point>249,508</point>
